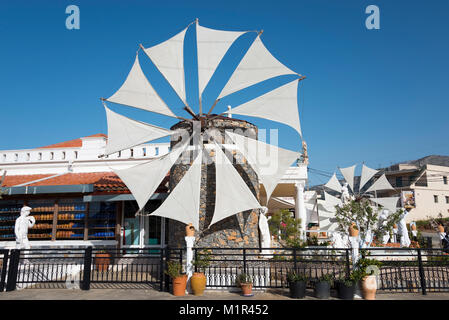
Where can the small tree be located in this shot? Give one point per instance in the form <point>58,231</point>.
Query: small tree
<point>283,223</point>
<point>361,213</point>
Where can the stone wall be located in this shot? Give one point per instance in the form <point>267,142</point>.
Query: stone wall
<point>237,231</point>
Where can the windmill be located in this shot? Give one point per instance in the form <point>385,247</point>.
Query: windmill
<point>327,207</point>
<point>279,105</point>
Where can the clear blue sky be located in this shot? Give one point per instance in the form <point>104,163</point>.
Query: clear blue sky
<point>379,96</point>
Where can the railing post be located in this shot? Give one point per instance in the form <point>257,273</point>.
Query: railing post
<point>421,273</point>
<point>348,266</point>
<point>4,269</point>
<point>87,268</point>
<point>244,260</point>
<point>14,257</point>
<point>161,270</point>
<point>294,258</point>
<point>166,278</point>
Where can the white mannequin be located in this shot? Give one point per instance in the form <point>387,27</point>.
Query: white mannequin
<point>264,230</point>
<point>345,196</point>
<point>402,230</point>
<point>23,223</point>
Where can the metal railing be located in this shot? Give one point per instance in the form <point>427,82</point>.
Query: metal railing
<point>402,270</point>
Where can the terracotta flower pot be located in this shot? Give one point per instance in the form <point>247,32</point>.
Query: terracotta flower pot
<point>353,232</point>
<point>179,285</point>
<point>369,287</point>
<point>102,261</point>
<point>247,288</point>
<point>413,227</point>
<point>190,230</point>
<point>440,229</point>
<point>198,283</point>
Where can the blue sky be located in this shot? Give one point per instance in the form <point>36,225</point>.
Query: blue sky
<point>378,96</point>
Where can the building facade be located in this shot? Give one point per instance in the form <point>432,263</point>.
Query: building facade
<point>77,199</point>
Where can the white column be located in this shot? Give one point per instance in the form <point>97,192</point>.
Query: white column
<point>300,207</point>
<point>190,241</point>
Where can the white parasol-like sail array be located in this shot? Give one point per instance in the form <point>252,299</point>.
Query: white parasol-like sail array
<point>327,208</point>
<point>279,105</point>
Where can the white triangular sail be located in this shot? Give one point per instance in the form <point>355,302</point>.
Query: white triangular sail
<point>367,174</point>
<point>137,92</point>
<point>212,45</point>
<point>331,201</point>
<point>280,104</point>
<point>333,183</point>
<point>389,203</point>
<point>348,174</point>
<point>380,184</point>
<point>232,193</point>
<point>257,65</point>
<point>168,57</point>
<point>125,133</point>
<point>142,180</point>
<point>326,215</point>
<point>269,162</point>
<point>183,202</point>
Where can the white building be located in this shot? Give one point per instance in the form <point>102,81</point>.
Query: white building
<point>78,200</point>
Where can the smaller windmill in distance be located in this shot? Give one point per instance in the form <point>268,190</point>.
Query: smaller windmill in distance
<point>347,192</point>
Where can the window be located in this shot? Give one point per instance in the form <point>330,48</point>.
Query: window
<point>156,150</point>
<point>52,155</point>
<point>16,157</point>
<point>4,157</point>
<point>144,151</point>
<point>63,155</point>
<point>398,182</point>
<point>119,154</point>
<point>39,157</point>
<point>132,153</point>
<point>447,199</point>
<point>76,154</point>
<point>28,157</point>
<point>445,179</point>
<point>435,198</point>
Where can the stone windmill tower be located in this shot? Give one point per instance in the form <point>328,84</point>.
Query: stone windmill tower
<point>214,172</point>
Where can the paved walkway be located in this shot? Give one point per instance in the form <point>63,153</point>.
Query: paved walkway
<point>150,294</point>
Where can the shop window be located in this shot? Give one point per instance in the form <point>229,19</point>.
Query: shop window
<point>398,182</point>
<point>102,220</point>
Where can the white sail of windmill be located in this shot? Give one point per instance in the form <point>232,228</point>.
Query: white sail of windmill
<point>326,207</point>
<point>137,91</point>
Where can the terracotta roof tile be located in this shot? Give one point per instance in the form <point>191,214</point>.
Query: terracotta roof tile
<point>102,181</point>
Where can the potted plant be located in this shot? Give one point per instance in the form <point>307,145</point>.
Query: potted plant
<point>297,283</point>
<point>368,280</point>
<point>102,260</point>
<point>198,279</point>
<point>346,286</point>
<point>323,286</point>
<point>179,280</point>
<point>245,282</point>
